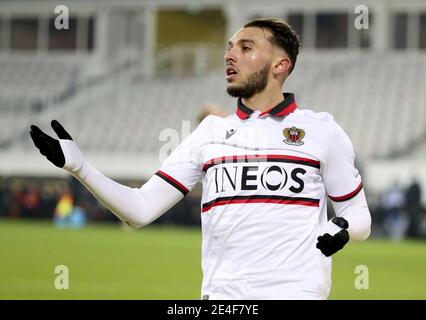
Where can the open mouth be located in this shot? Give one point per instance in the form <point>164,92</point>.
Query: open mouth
<point>231,72</point>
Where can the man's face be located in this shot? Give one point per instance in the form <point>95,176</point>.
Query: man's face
<point>248,62</point>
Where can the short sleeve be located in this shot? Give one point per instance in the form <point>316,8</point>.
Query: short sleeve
<point>341,178</point>
<point>182,169</point>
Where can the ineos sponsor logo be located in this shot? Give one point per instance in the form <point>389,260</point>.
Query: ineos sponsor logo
<point>272,178</point>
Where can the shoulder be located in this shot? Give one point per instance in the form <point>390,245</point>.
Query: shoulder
<point>208,127</point>
<point>324,124</point>
<point>324,120</point>
<point>204,126</point>
<point>213,123</point>
<point>307,114</point>
<point>210,121</point>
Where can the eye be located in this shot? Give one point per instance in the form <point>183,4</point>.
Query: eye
<point>246,48</point>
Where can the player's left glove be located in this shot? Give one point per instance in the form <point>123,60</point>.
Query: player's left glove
<point>330,244</point>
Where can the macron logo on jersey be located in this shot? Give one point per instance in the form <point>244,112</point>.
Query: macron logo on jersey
<point>230,133</point>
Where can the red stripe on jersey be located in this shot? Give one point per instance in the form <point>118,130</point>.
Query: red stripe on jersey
<point>259,199</point>
<point>347,196</point>
<point>261,158</point>
<point>307,160</point>
<point>172,181</point>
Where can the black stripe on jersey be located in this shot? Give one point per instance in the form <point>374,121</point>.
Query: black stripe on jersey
<point>260,199</point>
<point>347,196</point>
<point>172,181</point>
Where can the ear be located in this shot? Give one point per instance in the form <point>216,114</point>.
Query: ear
<point>282,66</point>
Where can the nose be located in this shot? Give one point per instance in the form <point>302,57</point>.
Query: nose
<point>229,56</point>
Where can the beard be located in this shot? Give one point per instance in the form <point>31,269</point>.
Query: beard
<point>255,83</point>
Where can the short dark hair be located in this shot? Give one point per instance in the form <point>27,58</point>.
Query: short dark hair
<point>283,36</point>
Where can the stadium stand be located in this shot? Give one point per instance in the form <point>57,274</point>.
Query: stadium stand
<point>31,83</point>
<point>374,96</point>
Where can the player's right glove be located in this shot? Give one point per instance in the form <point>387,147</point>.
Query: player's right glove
<point>63,153</point>
<point>330,244</point>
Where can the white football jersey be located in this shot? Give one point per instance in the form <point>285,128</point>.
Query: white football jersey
<point>265,179</point>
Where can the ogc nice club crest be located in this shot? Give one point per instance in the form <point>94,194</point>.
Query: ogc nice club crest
<point>293,136</point>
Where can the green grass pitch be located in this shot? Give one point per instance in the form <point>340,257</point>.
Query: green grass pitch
<point>106,262</point>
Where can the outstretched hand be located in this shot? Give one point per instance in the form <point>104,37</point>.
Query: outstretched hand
<point>48,146</point>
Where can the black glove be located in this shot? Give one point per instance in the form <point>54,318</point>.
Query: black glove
<point>331,244</point>
<point>48,146</point>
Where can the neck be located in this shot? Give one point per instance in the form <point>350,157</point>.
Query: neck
<point>265,100</point>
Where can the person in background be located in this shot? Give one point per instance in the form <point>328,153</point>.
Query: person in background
<point>63,209</point>
<point>413,196</point>
<point>393,202</point>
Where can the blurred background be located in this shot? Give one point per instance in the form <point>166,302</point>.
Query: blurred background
<point>130,79</point>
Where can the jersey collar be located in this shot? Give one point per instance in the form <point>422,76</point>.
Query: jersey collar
<point>282,109</point>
